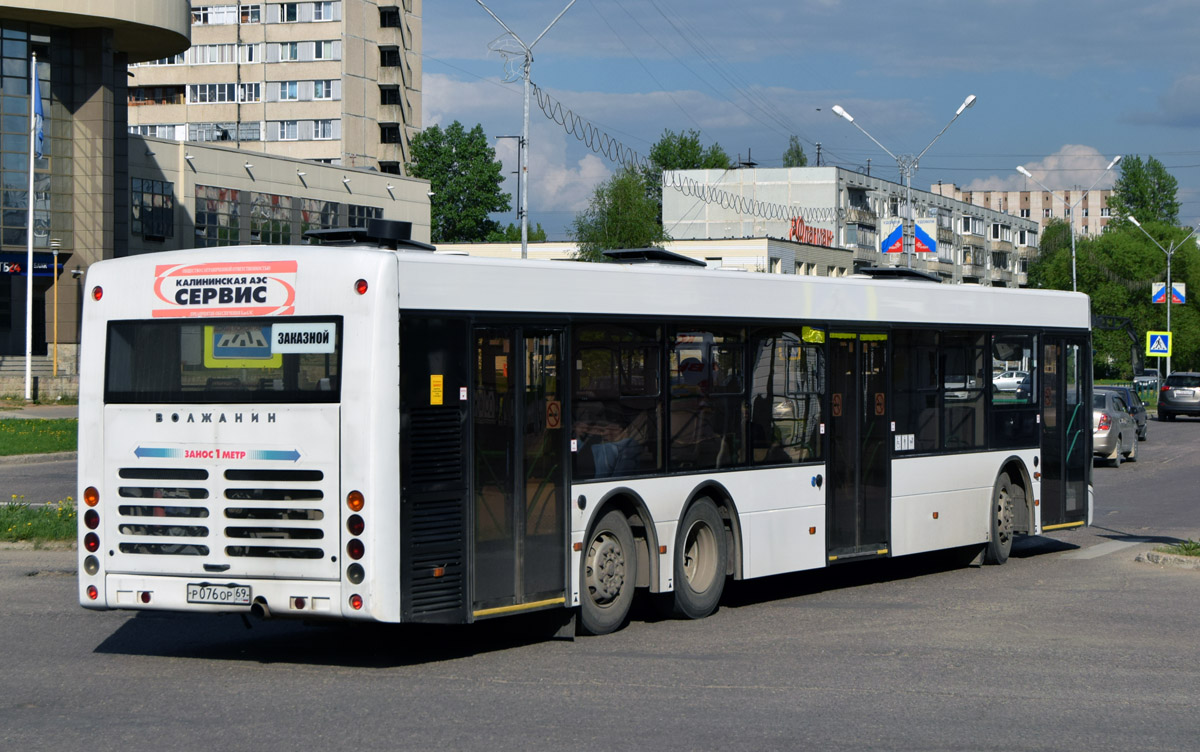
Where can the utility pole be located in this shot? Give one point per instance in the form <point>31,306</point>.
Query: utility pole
<point>523,159</point>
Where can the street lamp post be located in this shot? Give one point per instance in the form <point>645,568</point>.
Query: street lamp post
<point>520,183</point>
<point>523,145</point>
<point>1170,292</point>
<point>908,165</point>
<point>1071,207</point>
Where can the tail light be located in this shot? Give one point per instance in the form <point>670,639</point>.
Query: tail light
<point>91,542</point>
<point>1105,422</point>
<point>356,602</point>
<point>1165,388</point>
<point>92,592</point>
<point>355,549</point>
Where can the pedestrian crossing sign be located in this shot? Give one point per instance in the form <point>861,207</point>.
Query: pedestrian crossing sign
<point>1158,344</point>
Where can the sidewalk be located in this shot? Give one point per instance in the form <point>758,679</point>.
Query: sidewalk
<point>17,410</point>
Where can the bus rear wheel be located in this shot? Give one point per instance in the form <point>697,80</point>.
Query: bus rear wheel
<point>608,575</point>
<point>700,560</point>
<point>1006,497</point>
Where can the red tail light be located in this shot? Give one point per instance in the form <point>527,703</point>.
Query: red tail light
<point>92,592</point>
<point>356,602</point>
<point>1105,422</point>
<point>1164,388</point>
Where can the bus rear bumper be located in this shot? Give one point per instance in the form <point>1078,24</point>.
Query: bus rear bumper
<point>302,599</point>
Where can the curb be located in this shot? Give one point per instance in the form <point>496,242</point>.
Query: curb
<point>1169,560</point>
<point>34,459</point>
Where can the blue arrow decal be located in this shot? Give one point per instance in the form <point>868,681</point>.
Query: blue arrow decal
<point>274,454</point>
<point>141,452</point>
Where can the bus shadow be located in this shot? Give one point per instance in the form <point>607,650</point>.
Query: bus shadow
<point>225,637</point>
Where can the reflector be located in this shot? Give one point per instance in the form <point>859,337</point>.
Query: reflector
<point>92,592</point>
<point>361,287</point>
<point>356,602</point>
<point>97,292</point>
<point>144,596</point>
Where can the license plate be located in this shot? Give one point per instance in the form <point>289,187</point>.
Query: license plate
<point>227,595</point>
<point>1185,392</point>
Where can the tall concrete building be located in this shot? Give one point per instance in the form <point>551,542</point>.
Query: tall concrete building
<point>1090,216</point>
<point>335,81</point>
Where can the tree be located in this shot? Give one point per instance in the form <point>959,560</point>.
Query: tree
<point>794,156</point>
<point>1146,190</point>
<point>512,234</point>
<point>680,151</point>
<point>620,215</point>
<point>465,179</point>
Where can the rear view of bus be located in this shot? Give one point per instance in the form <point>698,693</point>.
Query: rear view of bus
<point>216,465</point>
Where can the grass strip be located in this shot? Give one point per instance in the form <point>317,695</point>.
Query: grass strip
<point>52,522</point>
<point>38,435</point>
<point>1188,547</point>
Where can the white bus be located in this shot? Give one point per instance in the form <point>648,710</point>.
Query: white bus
<point>362,432</point>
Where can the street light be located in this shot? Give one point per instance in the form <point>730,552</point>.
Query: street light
<point>1071,208</point>
<point>1170,290</point>
<point>523,144</point>
<point>908,165</point>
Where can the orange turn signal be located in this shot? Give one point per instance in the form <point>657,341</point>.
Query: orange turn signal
<point>91,496</point>
<point>355,501</point>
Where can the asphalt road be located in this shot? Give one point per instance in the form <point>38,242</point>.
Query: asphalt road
<point>1072,645</point>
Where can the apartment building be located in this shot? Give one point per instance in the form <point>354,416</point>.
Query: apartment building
<point>334,81</point>
<point>1090,215</point>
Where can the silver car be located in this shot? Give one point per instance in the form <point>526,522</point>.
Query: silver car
<point>1180,395</point>
<point>1114,430</point>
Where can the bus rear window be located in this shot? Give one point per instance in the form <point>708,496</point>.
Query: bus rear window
<point>225,360</point>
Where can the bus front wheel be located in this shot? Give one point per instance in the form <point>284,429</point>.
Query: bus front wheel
<point>1006,497</point>
<point>700,560</point>
<point>609,575</point>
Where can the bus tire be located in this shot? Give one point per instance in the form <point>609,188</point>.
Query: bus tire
<point>1006,496</point>
<point>607,575</point>
<point>700,560</point>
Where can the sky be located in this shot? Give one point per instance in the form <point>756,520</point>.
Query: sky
<point>1061,87</point>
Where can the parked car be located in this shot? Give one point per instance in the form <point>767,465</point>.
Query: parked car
<point>1137,408</point>
<point>1008,380</point>
<point>1114,432</point>
<point>1147,379</point>
<point>1180,395</point>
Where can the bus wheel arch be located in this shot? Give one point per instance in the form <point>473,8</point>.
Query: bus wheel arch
<point>703,554</point>
<point>1009,501</point>
<point>615,560</point>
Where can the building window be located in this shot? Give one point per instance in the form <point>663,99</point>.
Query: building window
<point>289,91</point>
<point>389,17</point>
<point>270,219</point>
<point>391,168</point>
<point>1085,212</point>
<point>212,54</point>
<point>144,95</point>
<point>1105,212</point>
<point>389,133</point>
<point>218,216</point>
<point>1025,213</point>
<point>1047,212</point>
<point>153,209</point>
<point>252,13</point>
<point>251,53</point>
<point>389,95</point>
<point>323,11</point>
<point>250,92</point>
<point>214,15</point>
<point>357,216</point>
<point>323,50</point>
<point>288,130</point>
<point>323,89</point>
<point>288,12</point>
<point>322,130</point>
<point>389,57</point>
<point>317,215</point>
<point>211,93</point>
<point>289,51</point>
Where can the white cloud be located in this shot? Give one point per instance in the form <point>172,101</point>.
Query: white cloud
<point>1072,166</point>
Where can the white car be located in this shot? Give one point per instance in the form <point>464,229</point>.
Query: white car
<point>1009,380</point>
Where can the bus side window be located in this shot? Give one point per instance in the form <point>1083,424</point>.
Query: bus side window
<point>787,386</point>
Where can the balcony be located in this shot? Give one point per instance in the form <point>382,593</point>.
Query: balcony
<point>861,216</point>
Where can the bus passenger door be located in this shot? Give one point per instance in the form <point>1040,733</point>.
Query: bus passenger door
<point>859,495</point>
<point>1066,431</point>
<point>519,517</point>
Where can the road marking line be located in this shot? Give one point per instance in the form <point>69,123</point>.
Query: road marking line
<point>1103,549</point>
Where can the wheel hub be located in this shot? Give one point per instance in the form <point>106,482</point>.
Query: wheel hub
<point>606,569</point>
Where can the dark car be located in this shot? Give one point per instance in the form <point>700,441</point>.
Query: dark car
<point>1137,408</point>
<point>1180,395</point>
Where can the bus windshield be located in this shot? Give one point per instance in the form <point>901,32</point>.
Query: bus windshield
<point>224,360</point>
